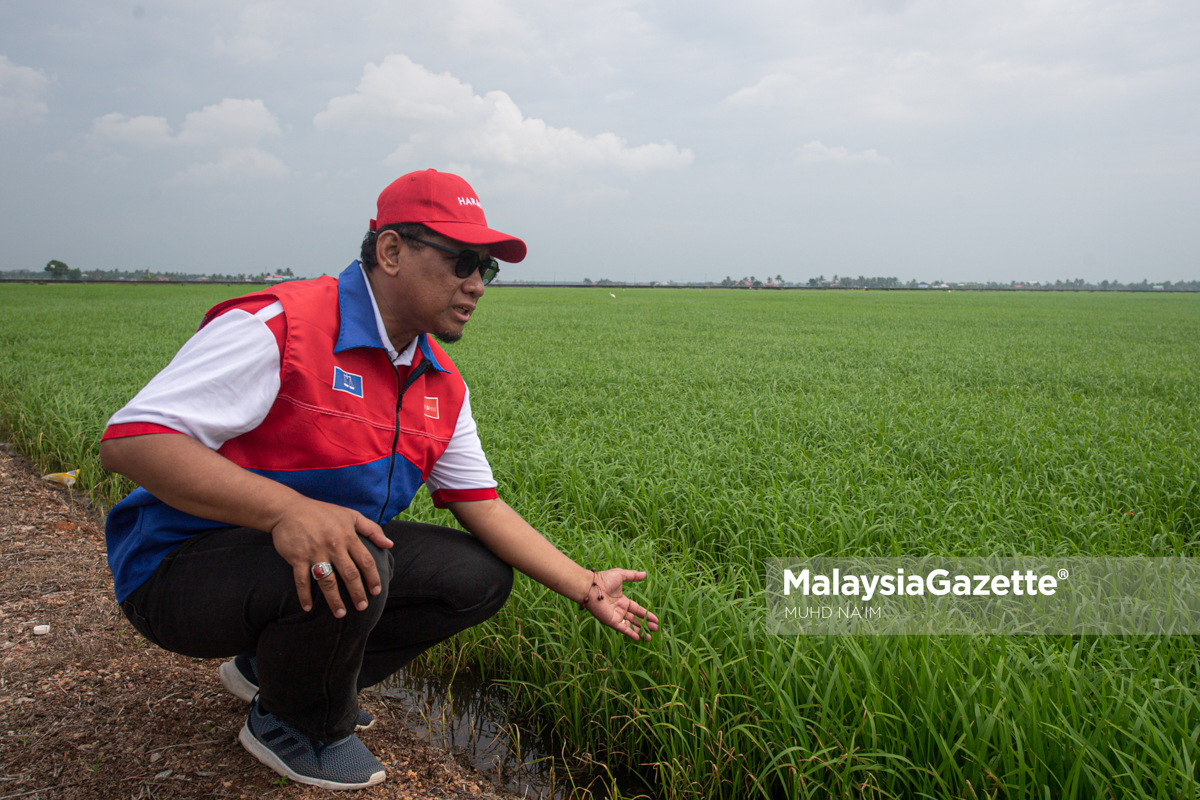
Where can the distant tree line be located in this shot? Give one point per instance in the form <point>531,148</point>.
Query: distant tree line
<point>863,282</point>
<point>59,271</point>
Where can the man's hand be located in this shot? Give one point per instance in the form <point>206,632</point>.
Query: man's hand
<point>187,475</point>
<point>313,532</point>
<point>506,533</point>
<point>609,605</point>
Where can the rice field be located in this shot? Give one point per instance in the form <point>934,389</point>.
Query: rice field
<point>696,433</point>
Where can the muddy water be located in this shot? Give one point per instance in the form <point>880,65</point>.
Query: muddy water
<point>474,718</point>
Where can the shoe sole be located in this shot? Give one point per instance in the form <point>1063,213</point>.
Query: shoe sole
<point>266,756</point>
<point>233,680</point>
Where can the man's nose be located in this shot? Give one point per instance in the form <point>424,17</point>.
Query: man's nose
<point>474,284</point>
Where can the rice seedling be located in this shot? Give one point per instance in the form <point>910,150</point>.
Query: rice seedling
<point>696,433</point>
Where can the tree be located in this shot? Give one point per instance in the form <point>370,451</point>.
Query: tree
<point>57,270</point>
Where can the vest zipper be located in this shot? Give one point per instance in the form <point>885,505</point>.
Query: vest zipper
<point>417,372</point>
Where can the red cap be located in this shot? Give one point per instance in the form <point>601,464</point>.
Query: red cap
<point>446,204</point>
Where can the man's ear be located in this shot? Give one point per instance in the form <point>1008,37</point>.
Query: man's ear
<point>388,247</point>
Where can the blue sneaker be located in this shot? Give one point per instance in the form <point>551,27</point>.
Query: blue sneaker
<point>240,677</point>
<point>344,764</point>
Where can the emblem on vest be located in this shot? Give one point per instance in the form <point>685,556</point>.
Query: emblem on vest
<point>431,407</point>
<point>347,382</point>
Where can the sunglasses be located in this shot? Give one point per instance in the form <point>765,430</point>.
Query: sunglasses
<point>467,261</point>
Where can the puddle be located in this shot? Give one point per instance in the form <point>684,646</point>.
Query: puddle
<point>473,718</point>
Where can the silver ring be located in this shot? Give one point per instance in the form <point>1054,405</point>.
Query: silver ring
<point>321,570</point>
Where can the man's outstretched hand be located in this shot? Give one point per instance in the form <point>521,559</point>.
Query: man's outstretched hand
<point>312,532</point>
<point>609,605</point>
<point>516,543</point>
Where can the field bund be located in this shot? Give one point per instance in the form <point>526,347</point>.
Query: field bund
<point>696,434</point>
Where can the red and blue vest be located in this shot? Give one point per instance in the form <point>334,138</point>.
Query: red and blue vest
<point>347,426</point>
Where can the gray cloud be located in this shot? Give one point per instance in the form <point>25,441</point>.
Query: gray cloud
<point>21,92</point>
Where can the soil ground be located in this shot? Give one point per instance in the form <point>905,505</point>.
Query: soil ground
<point>92,710</point>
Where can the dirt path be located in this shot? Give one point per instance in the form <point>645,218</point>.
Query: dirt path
<point>91,710</point>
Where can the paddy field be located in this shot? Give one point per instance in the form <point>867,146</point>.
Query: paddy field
<point>697,433</point>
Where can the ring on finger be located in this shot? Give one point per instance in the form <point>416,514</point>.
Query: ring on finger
<point>322,569</point>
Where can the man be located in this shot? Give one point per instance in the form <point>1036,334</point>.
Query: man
<point>310,415</point>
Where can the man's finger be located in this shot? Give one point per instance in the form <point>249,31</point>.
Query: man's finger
<point>643,613</point>
<point>301,578</point>
<point>366,564</point>
<point>369,529</point>
<point>333,598</point>
<point>352,578</point>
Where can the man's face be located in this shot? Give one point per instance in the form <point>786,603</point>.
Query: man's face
<point>425,295</point>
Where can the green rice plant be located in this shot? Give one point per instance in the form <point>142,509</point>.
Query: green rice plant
<point>71,355</point>
<point>696,433</point>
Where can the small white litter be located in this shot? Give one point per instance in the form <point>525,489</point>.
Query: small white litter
<point>41,630</point>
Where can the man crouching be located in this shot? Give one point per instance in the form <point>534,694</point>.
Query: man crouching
<point>274,452</point>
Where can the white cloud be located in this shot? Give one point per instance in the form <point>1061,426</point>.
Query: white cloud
<point>764,94</point>
<point>234,126</point>
<point>957,67</point>
<point>235,163</point>
<point>444,117</point>
<point>262,30</point>
<point>227,122</point>
<point>20,93</point>
<point>230,122</point>
<point>142,131</point>
<point>817,153</point>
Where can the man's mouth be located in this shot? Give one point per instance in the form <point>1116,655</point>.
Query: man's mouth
<point>464,311</point>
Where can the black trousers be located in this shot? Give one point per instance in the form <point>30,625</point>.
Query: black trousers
<point>227,591</point>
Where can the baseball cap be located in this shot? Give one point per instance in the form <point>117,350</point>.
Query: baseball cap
<point>446,204</point>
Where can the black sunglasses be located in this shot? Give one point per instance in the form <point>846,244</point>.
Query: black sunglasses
<point>468,261</point>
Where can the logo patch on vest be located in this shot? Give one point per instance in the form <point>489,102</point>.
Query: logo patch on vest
<point>347,382</point>
<point>431,407</point>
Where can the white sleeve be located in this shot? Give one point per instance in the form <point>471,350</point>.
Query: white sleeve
<point>219,385</point>
<point>463,465</point>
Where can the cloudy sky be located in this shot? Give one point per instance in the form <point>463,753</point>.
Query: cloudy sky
<point>622,139</point>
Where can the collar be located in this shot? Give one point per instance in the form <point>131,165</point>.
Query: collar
<point>362,326</point>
